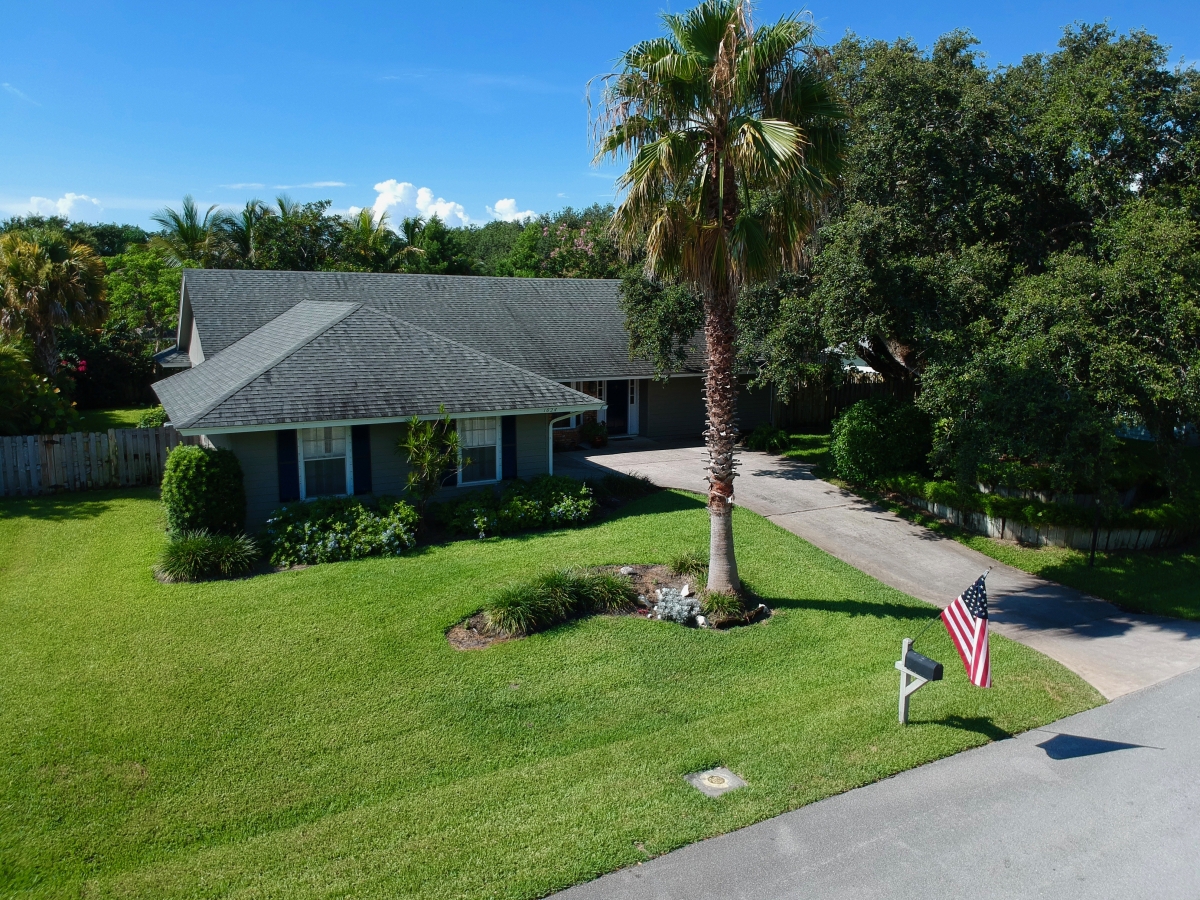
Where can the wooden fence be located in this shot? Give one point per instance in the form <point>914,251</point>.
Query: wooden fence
<point>819,405</point>
<point>122,457</point>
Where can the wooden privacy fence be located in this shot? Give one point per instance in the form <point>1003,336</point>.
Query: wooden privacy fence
<point>122,457</point>
<point>819,405</point>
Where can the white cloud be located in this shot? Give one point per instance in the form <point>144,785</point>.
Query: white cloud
<point>561,194</point>
<point>506,211</point>
<point>244,185</point>
<point>20,95</point>
<point>402,198</point>
<point>310,184</point>
<point>64,206</point>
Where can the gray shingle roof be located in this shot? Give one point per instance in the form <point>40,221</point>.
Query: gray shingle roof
<point>561,328</point>
<point>330,362</point>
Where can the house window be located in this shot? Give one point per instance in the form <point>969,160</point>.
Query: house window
<point>323,451</point>
<point>479,442</point>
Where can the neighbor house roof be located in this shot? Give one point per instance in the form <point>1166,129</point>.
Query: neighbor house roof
<point>325,361</point>
<point>561,328</point>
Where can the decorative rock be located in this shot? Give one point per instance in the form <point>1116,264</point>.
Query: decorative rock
<point>687,590</point>
<point>626,570</point>
<point>701,621</point>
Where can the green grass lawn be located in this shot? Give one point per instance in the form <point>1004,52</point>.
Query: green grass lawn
<point>104,419</point>
<point>311,734</point>
<point>1160,582</point>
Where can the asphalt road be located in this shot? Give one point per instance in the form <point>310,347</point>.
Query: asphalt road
<point>1105,804</point>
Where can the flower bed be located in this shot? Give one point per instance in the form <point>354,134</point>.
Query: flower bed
<point>333,530</point>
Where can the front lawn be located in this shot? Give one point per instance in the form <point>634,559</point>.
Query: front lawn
<point>312,734</point>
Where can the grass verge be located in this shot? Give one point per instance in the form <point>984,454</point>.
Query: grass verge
<point>310,733</point>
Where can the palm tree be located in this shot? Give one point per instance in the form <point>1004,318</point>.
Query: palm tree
<point>732,137</point>
<point>48,281</point>
<point>242,231</point>
<point>372,246</point>
<point>190,239</point>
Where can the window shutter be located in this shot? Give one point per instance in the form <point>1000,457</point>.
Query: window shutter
<point>288,465</point>
<point>360,438</point>
<point>508,446</point>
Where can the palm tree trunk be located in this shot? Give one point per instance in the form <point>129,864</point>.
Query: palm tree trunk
<point>45,351</point>
<point>720,391</point>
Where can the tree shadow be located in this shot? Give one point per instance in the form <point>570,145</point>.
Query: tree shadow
<point>856,608</point>
<point>977,724</point>
<point>67,506</point>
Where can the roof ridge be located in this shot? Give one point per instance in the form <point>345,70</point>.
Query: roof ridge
<point>496,359</point>
<point>275,360</point>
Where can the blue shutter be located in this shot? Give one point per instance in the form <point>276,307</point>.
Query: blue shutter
<point>289,465</point>
<point>508,446</point>
<point>360,439</point>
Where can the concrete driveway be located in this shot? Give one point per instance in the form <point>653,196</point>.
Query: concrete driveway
<point>1116,652</point>
<point>1105,804</point>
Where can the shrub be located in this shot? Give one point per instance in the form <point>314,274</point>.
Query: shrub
<point>548,501</point>
<point>689,563</point>
<point>615,487</point>
<point>337,529</point>
<point>196,555</point>
<point>432,451</point>
<point>202,489</point>
<point>879,437</point>
<point>554,597</point>
<point>594,433</point>
<point>768,439</point>
<point>154,417</point>
<point>723,607</point>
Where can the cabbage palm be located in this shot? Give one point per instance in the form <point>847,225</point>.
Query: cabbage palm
<point>189,238</point>
<point>371,244</point>
<point>242,231</point>
<point>48,281</point>
<point>732,137</point>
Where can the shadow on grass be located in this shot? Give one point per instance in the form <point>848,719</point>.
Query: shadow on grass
<point>857,608</point>
<point>67,506</point>
<point>976,724</point>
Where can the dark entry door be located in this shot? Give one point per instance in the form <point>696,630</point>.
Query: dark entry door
<point>617,393</point>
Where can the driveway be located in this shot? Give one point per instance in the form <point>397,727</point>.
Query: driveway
<point>1116,652</point>
<point>1105,804</point>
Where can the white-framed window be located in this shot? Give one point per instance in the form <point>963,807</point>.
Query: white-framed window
<point>326,464</point>
<point>479,442</point>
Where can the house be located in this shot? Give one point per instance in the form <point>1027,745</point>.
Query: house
<point>309,377</point>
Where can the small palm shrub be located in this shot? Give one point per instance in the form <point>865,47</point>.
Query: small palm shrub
<point>339,528</point>
<point>880,437</point>
<point>553,598</point>
<point>202,490</point>
<point>197,555</point>
<point>768,439</point>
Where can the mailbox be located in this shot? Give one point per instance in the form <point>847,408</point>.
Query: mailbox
<point>929,669</point>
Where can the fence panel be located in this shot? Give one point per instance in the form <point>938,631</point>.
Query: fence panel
<point>124,457</point>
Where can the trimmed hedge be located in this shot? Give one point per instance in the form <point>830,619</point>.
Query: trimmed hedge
<point>202,489</point>
<point>879,437</point>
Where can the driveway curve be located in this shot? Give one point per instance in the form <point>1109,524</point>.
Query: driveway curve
<point>1114,651</point>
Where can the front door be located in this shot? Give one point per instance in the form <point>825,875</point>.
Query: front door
<point>617,393</point>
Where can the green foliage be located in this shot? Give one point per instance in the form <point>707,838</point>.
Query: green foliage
<point>143,294</point>
<point>689,563</point>
<point>721,607</point>
<point>106,239</point>
<point>109,367</point>
<point>548,501</point>
<point>198,555</point>
<point>154,417</point>
<point>431,449</point>
<point>31,403</point>
<point>663,320</point>
<point>202,489</point>
<point>554,597</point>
<point>616,487</point>
<point>879,437</point>
<point>767,438</point>
<point>335,529</point>
<point>594,433</point>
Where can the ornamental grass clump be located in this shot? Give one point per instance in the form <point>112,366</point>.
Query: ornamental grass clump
<point>339,529</point>
<point>554,597</point>
<point>199,555</point>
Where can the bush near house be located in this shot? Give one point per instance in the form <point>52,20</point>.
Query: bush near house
<point>202,489</point>
<point>336,529</point>
<point>548,501</point>
<point>767,438</point>
<point>879,437</point>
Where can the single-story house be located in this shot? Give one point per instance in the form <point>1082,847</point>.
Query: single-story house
<point>309,377</point>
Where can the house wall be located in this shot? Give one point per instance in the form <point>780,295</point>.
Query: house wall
<point>256,451</point>
<point>674,408</point>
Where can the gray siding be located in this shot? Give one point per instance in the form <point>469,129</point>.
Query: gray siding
<point>532,446</point>
<point>260,472</point>
<point>674,408</point>
<point>388,468</point>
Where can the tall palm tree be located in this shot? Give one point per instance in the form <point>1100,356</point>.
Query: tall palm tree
<point>732,138</point>
<point>48,281</point>
<point>189,238</point>
<point>242,231</point>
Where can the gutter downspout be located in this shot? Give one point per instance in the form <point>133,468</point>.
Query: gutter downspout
<point>550,440</point>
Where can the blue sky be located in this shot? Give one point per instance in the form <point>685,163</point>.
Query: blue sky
<point>109,111</point>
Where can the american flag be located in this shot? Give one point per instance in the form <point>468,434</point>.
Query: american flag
<point>967,621</point>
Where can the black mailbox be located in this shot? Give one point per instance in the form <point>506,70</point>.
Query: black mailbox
<point>929,669</point>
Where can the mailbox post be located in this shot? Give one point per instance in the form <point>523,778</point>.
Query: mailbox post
<point>916,671</point>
